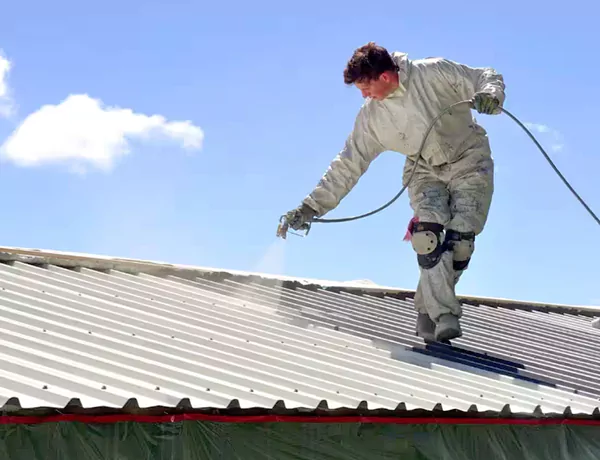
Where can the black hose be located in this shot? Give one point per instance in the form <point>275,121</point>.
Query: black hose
<point>446,110</point>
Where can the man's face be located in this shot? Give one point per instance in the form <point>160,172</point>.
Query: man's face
<point>380,88</point>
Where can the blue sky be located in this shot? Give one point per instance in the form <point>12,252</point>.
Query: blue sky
<point>261,88</point>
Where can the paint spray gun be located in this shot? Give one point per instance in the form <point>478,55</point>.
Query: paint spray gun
<point>284,225</point>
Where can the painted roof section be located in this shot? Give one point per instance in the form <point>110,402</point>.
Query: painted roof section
<point>73,328</point>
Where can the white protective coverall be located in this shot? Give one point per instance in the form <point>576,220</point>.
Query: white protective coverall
<point>454,182</point>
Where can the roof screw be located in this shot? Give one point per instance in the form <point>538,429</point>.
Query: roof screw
<point>251,390</point>
<point>172,336</point>
<point>45,330</point>
<point>104,387</point>
<point>45,387</point>
<point>89,332</point>
<point>157,388</point>
<point>133,334</point>
<point>295,390</point>
<point>208,389</point>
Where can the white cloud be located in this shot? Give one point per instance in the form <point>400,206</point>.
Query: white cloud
<point>557,139</point>
<point>81,132</point>
<point>6,106</point>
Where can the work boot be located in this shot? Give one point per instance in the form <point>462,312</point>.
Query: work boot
<point>425,327</point>
<point>447,328</point>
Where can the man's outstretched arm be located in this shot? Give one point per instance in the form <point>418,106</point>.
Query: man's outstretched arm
<point>360,149</point>
<point>482,83</point>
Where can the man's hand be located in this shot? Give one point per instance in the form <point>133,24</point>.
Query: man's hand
<point>296,218</point>
<point>485,103</point>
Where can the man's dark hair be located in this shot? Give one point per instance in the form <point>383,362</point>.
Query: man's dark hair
<point>367,63</point>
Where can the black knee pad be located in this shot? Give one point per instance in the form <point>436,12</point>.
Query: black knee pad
<point>428,243</point>
<point>462,244</point>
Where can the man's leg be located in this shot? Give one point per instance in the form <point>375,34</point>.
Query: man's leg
<point>471,186</point>
<point>436,291</point>
<point>434,297</point>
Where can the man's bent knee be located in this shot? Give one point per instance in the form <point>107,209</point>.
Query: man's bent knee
<point>428,243</point>
<point>462,244</point>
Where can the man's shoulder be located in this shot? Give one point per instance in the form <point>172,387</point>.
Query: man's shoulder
<point>428,61</point>
<point>432,67</point>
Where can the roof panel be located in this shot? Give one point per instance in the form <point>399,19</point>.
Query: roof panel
<point>495,332</point>
<point>106,337</point>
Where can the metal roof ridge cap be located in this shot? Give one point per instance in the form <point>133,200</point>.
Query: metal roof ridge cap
<point>102,262</point>
<point>93,261</point>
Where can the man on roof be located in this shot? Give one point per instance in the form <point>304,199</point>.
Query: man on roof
<point>451,190</point>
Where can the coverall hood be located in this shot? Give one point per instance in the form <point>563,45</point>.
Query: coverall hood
<point>403,63</point>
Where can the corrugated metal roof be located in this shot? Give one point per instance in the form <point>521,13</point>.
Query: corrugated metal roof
<point>106,337</point>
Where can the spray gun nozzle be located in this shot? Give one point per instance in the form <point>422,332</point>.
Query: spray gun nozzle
<point>282,228</point>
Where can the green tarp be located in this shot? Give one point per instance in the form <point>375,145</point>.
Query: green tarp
<point>195,440</point>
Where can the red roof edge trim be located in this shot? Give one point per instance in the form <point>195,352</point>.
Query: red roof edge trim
<point>82,418</point>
